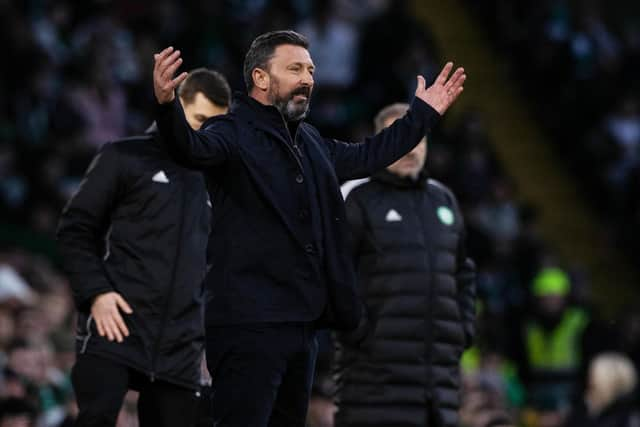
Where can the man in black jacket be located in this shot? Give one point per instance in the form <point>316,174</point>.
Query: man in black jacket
<point>400,366</point>
<point>133,239</point>
<point>279,263</point>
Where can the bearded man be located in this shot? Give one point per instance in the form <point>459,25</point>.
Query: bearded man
<point>280,264</point>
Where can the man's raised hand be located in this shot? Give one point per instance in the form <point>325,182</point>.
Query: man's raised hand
<point>165,65</point>
<point>444,91</point>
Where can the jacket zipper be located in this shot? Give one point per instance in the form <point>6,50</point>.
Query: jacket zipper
<point>293,146</point>
<point>419,205</point>
<point>165,313</point>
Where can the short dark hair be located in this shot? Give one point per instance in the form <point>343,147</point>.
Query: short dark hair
<point>263,47</point>
<point>212,84</point>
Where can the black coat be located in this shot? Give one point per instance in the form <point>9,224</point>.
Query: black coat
<point>622,412</point>
<point>278,247</point>
<point>400,366</point>
<point>138,225</point>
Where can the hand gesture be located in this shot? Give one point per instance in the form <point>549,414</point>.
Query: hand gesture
<point>106,312</point>
<point>444,91</point>
<point>165,65</point>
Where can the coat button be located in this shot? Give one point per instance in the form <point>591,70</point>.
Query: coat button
<point>299,179</point>
<point>308,248</point>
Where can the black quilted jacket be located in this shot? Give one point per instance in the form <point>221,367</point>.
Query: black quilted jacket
<point>400,366</point>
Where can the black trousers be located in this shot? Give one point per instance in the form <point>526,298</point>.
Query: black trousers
<point>101,384</point>
<point>261,373</point>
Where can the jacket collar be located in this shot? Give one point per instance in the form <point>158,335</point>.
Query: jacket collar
<point>394,180</point>
<point>265,117</point>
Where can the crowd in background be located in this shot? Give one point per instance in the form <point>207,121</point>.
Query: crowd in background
<point>78,74</point>
<point>577,61</point>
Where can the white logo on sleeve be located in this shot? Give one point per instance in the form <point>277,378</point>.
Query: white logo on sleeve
<point>393,216</point>
<point>160,177</point>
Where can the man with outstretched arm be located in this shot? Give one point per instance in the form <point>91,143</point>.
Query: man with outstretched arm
<point>280,263</point>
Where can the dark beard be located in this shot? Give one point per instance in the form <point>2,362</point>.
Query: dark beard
<point>291,110</point>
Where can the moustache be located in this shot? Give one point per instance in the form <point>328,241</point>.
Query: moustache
<point>303,90</point>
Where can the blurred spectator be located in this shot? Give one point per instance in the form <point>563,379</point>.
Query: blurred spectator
<point>498,216</point>
<point>396,38</point>
<point>14,290</point>
<point>98,100</point>
<point>623,127</point>
<point>16,412</point>
<point>34,364</point>
<point>583,53</point>
<point>629,335</point>
<point>333,44</point>
<point>550,344</point>
<point>609,400</point>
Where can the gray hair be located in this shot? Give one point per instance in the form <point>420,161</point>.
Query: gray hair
<point>398,109</point>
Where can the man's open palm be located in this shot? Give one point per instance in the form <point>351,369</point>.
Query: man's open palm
<point>444,91</point>
<point>106,313</point>
<point>165,65</point>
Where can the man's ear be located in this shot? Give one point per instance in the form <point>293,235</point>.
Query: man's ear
<point>260,78</point>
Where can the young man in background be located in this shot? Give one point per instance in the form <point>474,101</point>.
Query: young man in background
<point>133,240</point>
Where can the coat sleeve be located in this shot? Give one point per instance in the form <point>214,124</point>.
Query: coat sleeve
<point>83,225</point>
<point>196,149</point>
<point>356,220</point>
<point>466,279</point>
<point>359,160</point>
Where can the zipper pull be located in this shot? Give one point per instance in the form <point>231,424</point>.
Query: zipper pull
<point>152,377</point>
<point>297,148</point>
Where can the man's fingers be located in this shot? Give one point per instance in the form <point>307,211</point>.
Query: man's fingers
<point>180,79</point>
<point>100,327</point>
<point>123,304</point>
<point>108,329</point>
<point>116,331</point>
<point>121,325</point>
<point>422,84</point>
<point>113,329</point>
<point>442,77</point>
<point>457,75</point>
<point>173,84</point>
<point>169,60</point>
<point>171,69</point>
<point>456,93</point>
<point>458,83</point>
<point>162,63</point>
<point>164,53</point>
<point>159,60</point>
